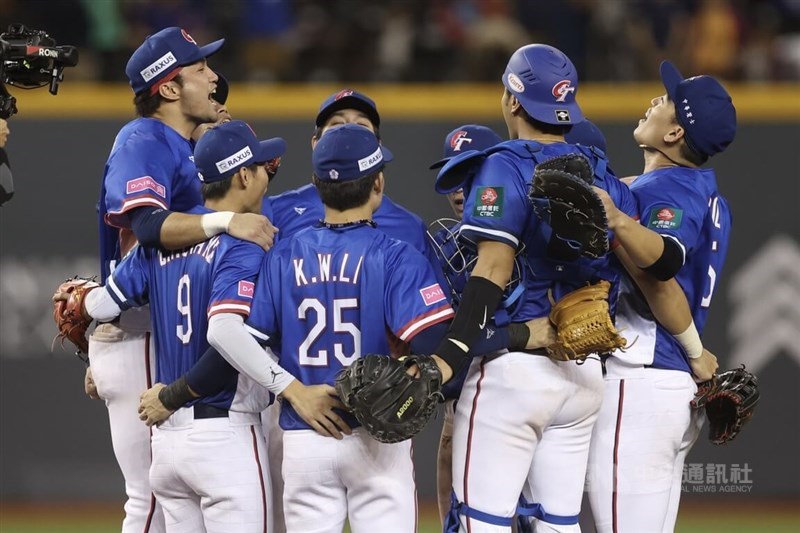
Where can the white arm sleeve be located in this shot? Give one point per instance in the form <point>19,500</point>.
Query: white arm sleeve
<point>101,306</point>
<point>227,333</point>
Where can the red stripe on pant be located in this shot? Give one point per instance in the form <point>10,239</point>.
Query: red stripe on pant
<point>260,476</point>
<point>469,440</point>
<point>614,524</point>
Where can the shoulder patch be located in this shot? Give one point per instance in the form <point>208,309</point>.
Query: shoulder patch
<point>246,289</point>
<point>432,294</point>
<point>488,202</point>
<point>665,218</point>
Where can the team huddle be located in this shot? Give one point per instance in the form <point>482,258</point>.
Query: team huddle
<point>262,357</point>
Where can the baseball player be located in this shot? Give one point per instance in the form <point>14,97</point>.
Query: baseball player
<point>297,209</point>
<point>208,468</point>
<point>326,296</point>
<point>149,179</point>
<point>635,464</point>
<point>461,139</point>
<point>540,446</point>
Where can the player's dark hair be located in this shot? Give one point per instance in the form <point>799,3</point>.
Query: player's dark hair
<point>218,189</point>
<point>544,127</point>
<point>318,132</point>
<point>345,195</point>
<point>147,104</point>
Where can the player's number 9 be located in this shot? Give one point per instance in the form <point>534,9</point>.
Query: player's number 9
<point>185,309</point>
<point>339,326</point>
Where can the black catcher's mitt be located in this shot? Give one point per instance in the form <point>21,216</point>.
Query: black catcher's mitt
<point>729,399</point>
<point>391,404</point>
<point>561,194</point>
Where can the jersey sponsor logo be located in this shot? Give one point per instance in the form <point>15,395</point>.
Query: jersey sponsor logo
<point>516,83</point>
<point>245,154</point>
<point>187,36</point>
<point>246,289</point>
<point>371,160</point>
<point>145,183</point>
<point>562,89</point>
<point>158,66</point>
<point>432,294</point>
<point>459,138</point>
<point>666,218</point>
<point>490,202</point>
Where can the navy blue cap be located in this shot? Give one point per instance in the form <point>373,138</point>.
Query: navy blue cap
<point>545,82</point>
<point>348,152</point>
<point>221,93</point>
<point>467,137</point>
<point>703,108</point>
<point>586,133</point>
<point>226,148</point>
<point>348,99</point>
<point>163,52</point>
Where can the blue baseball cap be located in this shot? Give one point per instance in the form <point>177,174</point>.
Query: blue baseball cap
<point>226,148</point>
<point>348,152</point>
<point>586,133</point>
<point>467,137</point>
<point>161,54</point>
<point>348,99</point>
<point>545,82</point>
<point>703,108</point>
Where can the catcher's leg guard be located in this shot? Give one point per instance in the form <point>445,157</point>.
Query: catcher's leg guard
<point>527,510</point>
<point>453,521</point>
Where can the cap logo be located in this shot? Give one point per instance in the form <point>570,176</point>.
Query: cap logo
<point>334,175</point>
<point>516,83</point>
<point>371,160</point>
<point>459,138</point>
<point>245,154</point>
<point>342,94</point>
<point>188,37</point>
<point>562,89</point>
<point>158,66</point>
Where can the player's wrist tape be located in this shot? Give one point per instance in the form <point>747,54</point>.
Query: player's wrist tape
<point>216,223</point>
<point>478,304</point>
<point>518,335</point>
<point>690,340</point>
<point>176,394</point>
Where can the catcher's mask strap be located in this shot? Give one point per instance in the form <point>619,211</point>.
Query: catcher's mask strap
<point>537,511</point>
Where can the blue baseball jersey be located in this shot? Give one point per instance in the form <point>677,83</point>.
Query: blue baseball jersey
<point>497,208</point>
<point>327,296</point>
<point>685,205</point>
<point>297,209</point>
<point>185,288</point>
<point>150,164</point>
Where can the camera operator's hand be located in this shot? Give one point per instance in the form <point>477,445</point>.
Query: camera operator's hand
<point>4,131</point>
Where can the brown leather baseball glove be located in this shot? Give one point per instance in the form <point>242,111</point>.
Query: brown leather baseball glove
<point>583,324</point>
<point>69,311</point>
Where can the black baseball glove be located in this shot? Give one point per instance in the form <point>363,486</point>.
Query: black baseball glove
<point>729,399</point>
<point>389,402</point>
<point>562,195</point>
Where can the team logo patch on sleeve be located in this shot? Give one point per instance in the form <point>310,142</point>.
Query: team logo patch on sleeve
<point>144,183</point>
<point>489,202</point>
<point>246,289</point>
<point>665,218</point>
<point>432,294</point>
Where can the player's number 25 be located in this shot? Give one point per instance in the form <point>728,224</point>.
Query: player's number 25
<point>320,358</point>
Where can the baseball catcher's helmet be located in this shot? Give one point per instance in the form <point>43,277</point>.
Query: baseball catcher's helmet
<point>458,254</point>
<point>545,81</point>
